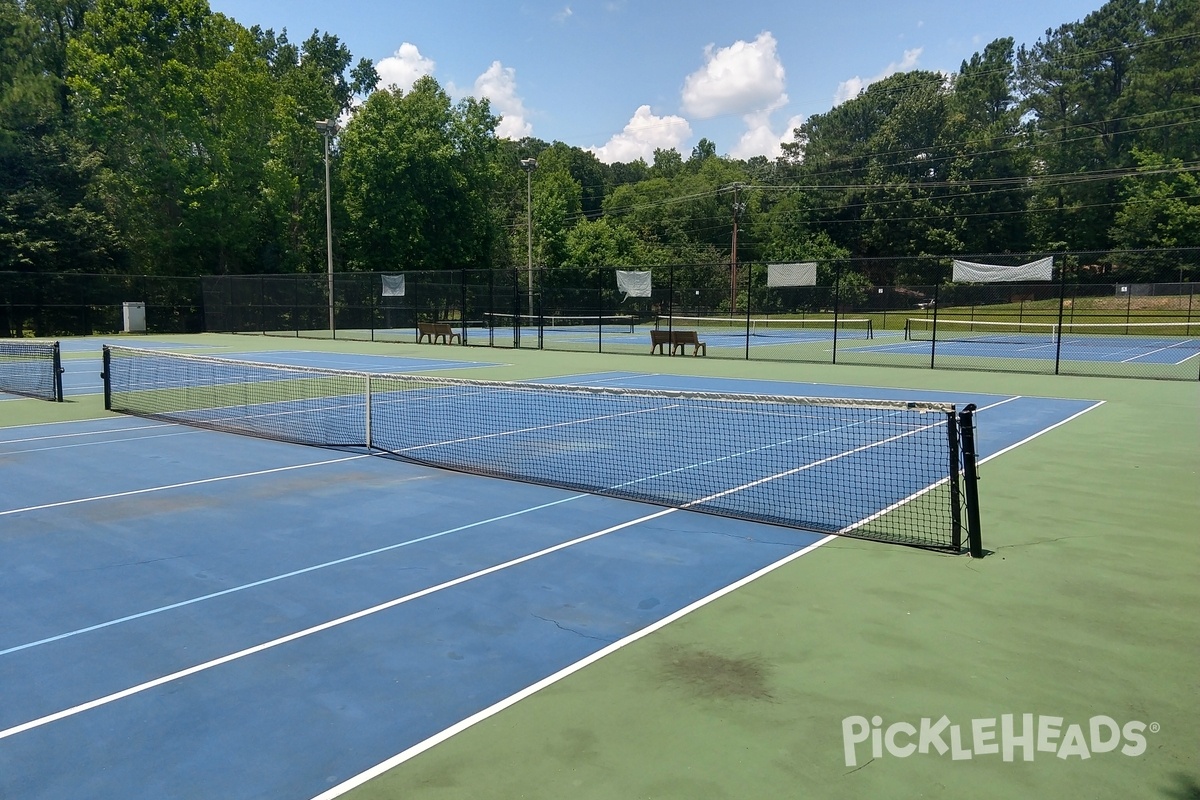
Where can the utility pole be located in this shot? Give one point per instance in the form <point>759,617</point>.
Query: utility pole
<point>529,165</point>
<point>738,209</point>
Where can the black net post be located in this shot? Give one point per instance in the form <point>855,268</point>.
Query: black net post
<point>58,373</point>
<point>955,483</point>
<point>966,425</point>
<point>106,360</point>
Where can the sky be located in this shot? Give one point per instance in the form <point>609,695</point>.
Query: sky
<point>622,78</point>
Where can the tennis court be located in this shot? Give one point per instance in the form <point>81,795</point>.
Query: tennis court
<point>1117,343</point>
<point>198,613</point>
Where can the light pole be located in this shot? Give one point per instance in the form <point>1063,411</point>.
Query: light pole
<point>529,165</point>
<point>328,128</point>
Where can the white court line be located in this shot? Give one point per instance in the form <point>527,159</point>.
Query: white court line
<point>185,484</point>
<point>109,418</point>
<point>283,576</point>
<point>73,445</point>
<point>1160,350</point>
<point>86,433</point>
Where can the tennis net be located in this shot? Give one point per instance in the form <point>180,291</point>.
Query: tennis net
<point>1139,335</point>
<point>584,323</point>
<point>32,368</point>
<point>895,471</point>
<point>779,327</point>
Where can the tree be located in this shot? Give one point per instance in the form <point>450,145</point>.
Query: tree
<point>48,223</point>
<point>1075,85</point>
<point>1160,210</point>
<point>704,150</point>
<point>418,177</point>
<point>992,158</point>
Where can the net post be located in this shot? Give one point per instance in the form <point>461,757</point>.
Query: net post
<point>106,373</point>
<point>58,373</point>
<point>367,409</point>
<point>966,425</point>
<point>955,482</point>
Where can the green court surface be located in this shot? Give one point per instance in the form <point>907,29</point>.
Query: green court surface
<point>1086,608</point>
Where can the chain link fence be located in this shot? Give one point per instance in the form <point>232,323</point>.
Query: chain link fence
<point>1080,322</point>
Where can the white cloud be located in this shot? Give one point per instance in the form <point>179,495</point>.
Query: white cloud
<point>746,78</point>
<point>760,139</point>
<point>740,79</point>
<point>404,68</point>
<point>644,134</point>
<point>564,15</point>
<point>499,86</point>
<point>849,89</point>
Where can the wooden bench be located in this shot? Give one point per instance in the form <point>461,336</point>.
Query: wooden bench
<point>677,341</point>
<point>658,339</point>
<point>437,330</point>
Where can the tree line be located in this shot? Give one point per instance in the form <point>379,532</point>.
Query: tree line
<point>156,137</point>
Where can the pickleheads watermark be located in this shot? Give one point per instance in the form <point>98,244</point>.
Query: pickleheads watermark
<point>1008,736</point>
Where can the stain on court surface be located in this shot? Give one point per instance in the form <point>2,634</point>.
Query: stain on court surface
<point>709,674</point>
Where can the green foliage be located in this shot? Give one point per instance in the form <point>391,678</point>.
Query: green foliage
<point>418,175</point>
<point>156,136</point>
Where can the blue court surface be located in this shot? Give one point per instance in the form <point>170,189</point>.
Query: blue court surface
<point>1114,350</point>
<point>199,614</point>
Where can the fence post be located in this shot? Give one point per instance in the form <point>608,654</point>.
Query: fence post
<point>837,301</point>
<point>516,308</point>
<point>749,273</point>
<point>541,310</point>
<point>462,304</point>
<point>1062,302</point>
<point>933,335</point>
